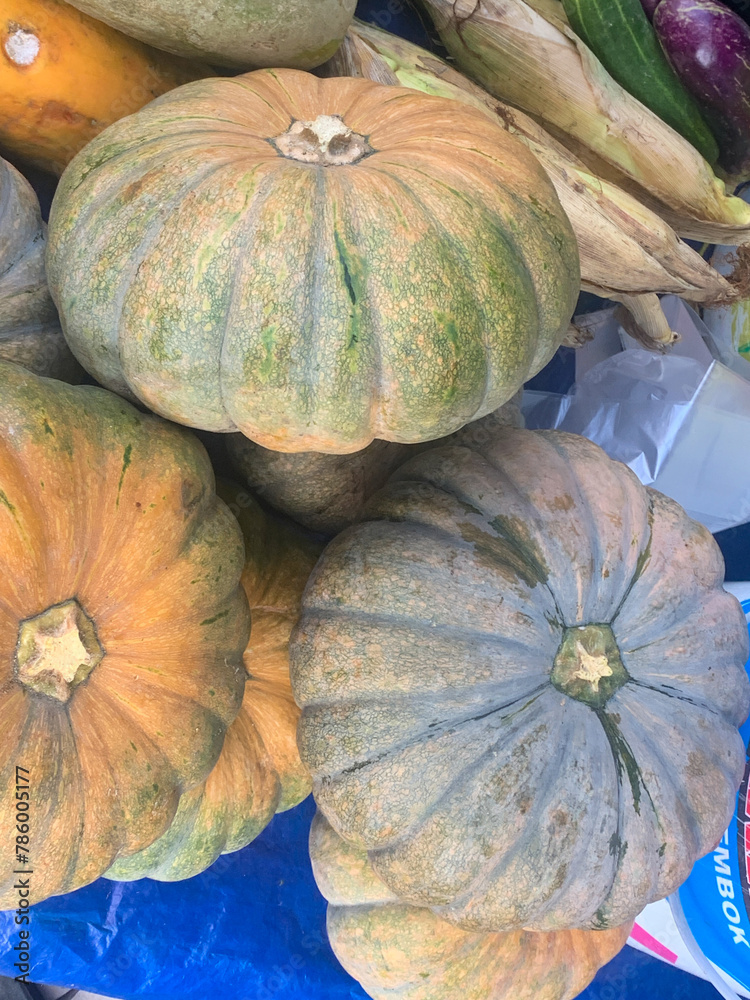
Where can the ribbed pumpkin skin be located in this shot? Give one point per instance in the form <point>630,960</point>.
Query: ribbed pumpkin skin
<point>440,730</point>
<point>83,77</point>
<point>396,950</point>
<point>30,332</point>
<point>242,33</point>
<point>311,307</point>
<point>115,510</point>
<point>327,493</point>
<point>259,772</point>
<point>278,565</point>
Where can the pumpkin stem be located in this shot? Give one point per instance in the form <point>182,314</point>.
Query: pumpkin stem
<point>57,650</point>
<point>326,141</point>
<point>588,665</point>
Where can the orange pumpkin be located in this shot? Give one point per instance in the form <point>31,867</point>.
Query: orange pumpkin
<point>259,772</point>
<point>64,77</point>
<point>122,625</point>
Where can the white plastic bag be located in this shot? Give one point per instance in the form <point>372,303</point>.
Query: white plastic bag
<point>679,420</point>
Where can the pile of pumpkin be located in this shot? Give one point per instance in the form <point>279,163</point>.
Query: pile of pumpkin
<point>508,671</point>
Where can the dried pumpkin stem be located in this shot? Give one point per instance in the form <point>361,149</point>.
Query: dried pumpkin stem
<point>57,650</point>
<point>588,665</point>
<point>326,141</point>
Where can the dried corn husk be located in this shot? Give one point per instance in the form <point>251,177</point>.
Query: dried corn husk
<point>624,247</point>
<point>542,67</point>
<point>552,11</point>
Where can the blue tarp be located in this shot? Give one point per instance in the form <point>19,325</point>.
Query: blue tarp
<point>252,927</point>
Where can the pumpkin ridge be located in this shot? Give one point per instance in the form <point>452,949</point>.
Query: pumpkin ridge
<point>67,880</point>
<point>32,248</point>
<point>161,231</point>
<point>371,318</point>
<point>157,852</point>
<point>653,749</point>
<point>30,504</point>
<point>571,463</point>
<point>71,184</point>
<point>314,280</point>
<point>362,301</point>
<point>538,522</point>
<point>669,778</point>
<point>394,618</point>
<point>624,763</point>
<point>77,841</point>
<point>618,847</point>
<point>495,865</point>
<point>116,706</point>
<point>510,207</point>
<point>491,864</point>
<point>643,561</point>
<point>436,729</point>
<point>387,696</point>
<point>583,503</point>
<point>86,353</point>
<point>456,782</point>
<point>217,726</point>
<point>242,82</point>
<point>515,207</point>
<point>280,84</point>
<point>459,255</point>
<point>539,571</point>
<point>235,288</point>
<point>673,692</point>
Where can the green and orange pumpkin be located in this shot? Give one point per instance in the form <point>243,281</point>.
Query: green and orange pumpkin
<point>30,333</point>
<point>315,263</point>
<point>394,949</point>
<point>259,772</point>
<point>521,682</point>
<point>122,625</point>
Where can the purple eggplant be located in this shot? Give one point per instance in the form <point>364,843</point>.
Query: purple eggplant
<point>709,48</point>
<point>650,6</point>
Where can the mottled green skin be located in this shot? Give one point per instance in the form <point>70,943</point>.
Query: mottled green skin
<point>396,950</point>
<point>327,493</point>
<point>241,33</point>
<point>312,308</point>
<point>211,821</point>
<point>30,333</point>
<point>117,510</point>
<point>435,735</point>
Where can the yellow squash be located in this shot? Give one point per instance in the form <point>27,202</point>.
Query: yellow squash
<point>64,77</point>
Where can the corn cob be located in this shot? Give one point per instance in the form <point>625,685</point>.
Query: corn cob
<point>625,249</point>
<point>541,66</point>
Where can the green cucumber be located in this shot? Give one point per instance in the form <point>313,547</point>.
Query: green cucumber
<point>621,36</point>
